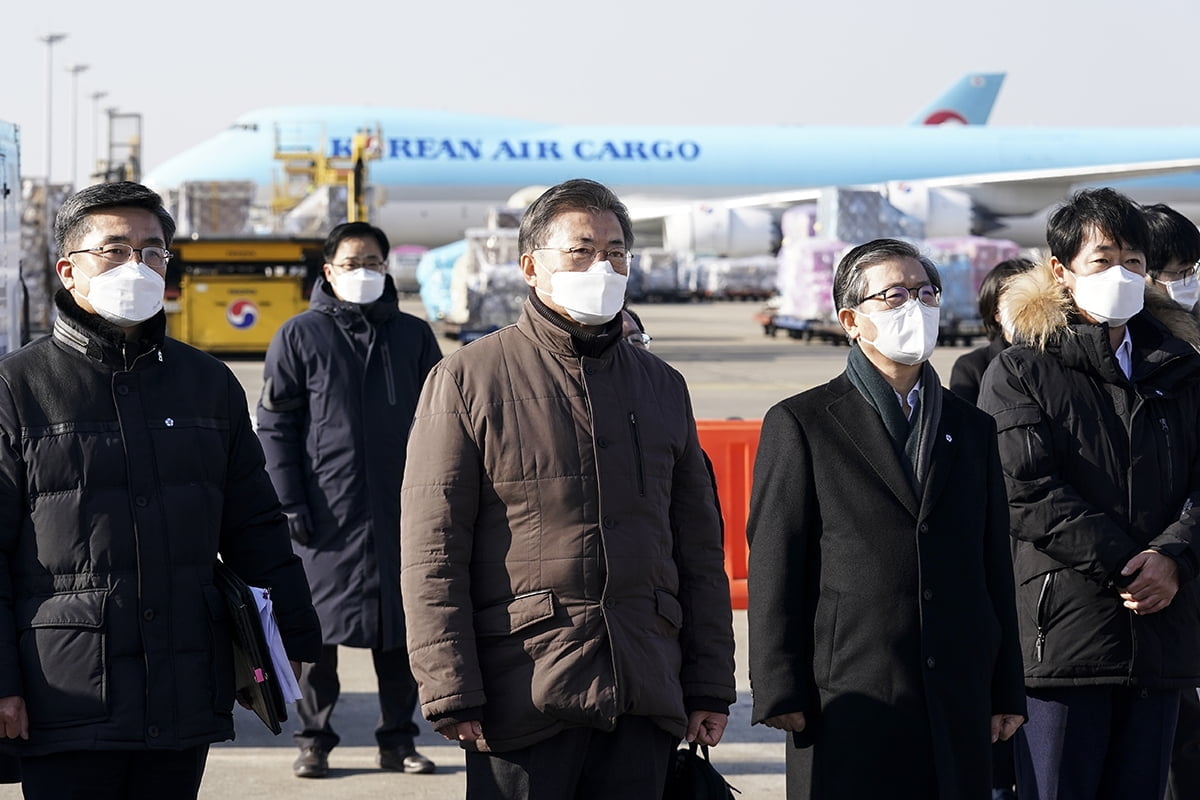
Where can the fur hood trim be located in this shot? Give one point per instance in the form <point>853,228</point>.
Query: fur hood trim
<point>1035,308</point>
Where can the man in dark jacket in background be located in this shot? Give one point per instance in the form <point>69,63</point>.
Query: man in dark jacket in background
<point>1096,406</point>
<point>340,387</point>
<point>127,463</point>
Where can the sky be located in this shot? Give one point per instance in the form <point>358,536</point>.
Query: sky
<point>190,68</point>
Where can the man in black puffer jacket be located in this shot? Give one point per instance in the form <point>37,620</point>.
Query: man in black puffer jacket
<point>1096,406</point>
<point>127,464</point>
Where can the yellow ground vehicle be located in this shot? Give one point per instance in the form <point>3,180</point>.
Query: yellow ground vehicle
<point>231,295</point>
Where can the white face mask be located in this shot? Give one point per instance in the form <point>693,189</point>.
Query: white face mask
<point>906,335</point>
<point>1111,296</point>
<point>128,294</point>
<point>1185,291</point>
<point>358,285</point>
<point>592,297</point>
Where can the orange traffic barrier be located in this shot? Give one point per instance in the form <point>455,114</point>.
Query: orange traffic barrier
<point>731,446</point>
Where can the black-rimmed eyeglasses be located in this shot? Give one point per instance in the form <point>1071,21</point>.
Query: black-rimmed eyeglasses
<point>896,296</point>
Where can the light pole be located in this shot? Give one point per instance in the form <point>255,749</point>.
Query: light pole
<point>96,98</point>
<point>75,69</point>
<point>50,39</point>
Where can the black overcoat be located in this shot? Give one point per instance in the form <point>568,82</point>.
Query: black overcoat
<point>340,388</point>
<point>887,618</point>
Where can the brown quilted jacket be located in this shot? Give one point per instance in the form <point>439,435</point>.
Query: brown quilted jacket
<point>561,553</point>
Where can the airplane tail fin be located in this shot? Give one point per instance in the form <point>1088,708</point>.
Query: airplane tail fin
<point>967,102</point>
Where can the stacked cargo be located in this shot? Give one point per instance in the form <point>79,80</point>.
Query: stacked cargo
<point>745,278</point>
<point>963,262</point>
<point>213,208</point>
<point>654,275</point>
<point>860,216</point>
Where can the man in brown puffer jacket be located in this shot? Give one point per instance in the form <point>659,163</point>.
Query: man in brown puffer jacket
<point>562,564</point>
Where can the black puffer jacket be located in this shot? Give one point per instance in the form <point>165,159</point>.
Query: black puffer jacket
<point>124,470</point>
<point>339,393</point>
<point>1098,468</point>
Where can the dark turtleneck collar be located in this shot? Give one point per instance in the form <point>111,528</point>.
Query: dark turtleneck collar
<point>102,339</point>
<point>588,340</point>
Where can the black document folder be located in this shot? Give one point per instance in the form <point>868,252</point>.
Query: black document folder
<point>254,675</point>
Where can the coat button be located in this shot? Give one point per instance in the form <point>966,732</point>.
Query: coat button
<point>122,390</point>
<point>148,615</point>
<point>141,501</point>
<point>589,370</point>
<point>924,527</point>
<point>929,662</point>
<point>602,442</point>
<point>609,602</point>
<point>609,522</point>
<point>927,594</point>
<point>153,731</point>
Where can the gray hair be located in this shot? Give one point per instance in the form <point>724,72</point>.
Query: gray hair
<point>849,279</point>
<point>579,194</point>
<point>72,224</point>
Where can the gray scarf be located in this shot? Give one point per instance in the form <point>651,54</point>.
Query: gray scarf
<point>913,443</point>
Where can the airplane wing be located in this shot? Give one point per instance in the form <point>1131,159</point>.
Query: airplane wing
<point>1000,192</point>
<point>1010,192</point>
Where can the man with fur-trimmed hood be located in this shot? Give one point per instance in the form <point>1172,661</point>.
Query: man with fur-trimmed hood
<point>1096,408</point>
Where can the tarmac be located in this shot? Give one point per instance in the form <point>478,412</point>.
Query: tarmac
<point>258,765</point>
<point>734,372</point>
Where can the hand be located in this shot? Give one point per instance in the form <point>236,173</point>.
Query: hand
<point>1005,725</point>
<point>463,731</point>
<point>793,722</point>
<point>13,719</point>
<point>706,727</point>
<point>1155,584</point>
<point>299,525</point>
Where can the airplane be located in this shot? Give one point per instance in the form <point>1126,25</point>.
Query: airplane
<point>441,172</point>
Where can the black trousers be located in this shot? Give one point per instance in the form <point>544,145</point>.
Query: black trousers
<point>320,687</point>
<point>1096,743</point>
<point>1185,757</point>
<point>114,774</point>
<point>629,763</point>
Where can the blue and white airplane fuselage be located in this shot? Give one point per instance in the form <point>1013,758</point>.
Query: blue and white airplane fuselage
<point>440,172</point>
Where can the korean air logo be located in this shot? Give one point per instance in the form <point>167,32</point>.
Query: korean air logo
<point>242,314</point>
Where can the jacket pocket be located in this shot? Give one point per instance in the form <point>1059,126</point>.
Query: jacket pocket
<point>668,608</point>
<point>62,652</point>
<point>515,614</point>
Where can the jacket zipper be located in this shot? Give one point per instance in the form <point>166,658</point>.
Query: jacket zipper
<point>1043,600</point>
<point>388,377</point>
<point>637,452</point>
<point>1166,429</point>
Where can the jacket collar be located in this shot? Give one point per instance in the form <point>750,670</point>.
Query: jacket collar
<point>96,338</point>
<point>1041,315</point>
<point>324,300</point>
<point>564,337</point>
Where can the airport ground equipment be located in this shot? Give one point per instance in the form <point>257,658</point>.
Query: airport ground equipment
<point>231,295</point>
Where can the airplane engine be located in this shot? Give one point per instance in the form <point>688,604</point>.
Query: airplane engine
<point>719,231</point>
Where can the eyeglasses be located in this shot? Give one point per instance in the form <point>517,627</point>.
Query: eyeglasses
<point>1172,275</point>
<point>117,254</point>
<point>584,256</point>
<point>896,296</point>
<point>369,263</point>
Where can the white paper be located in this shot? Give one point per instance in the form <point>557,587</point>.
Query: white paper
<point>279,659</point>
